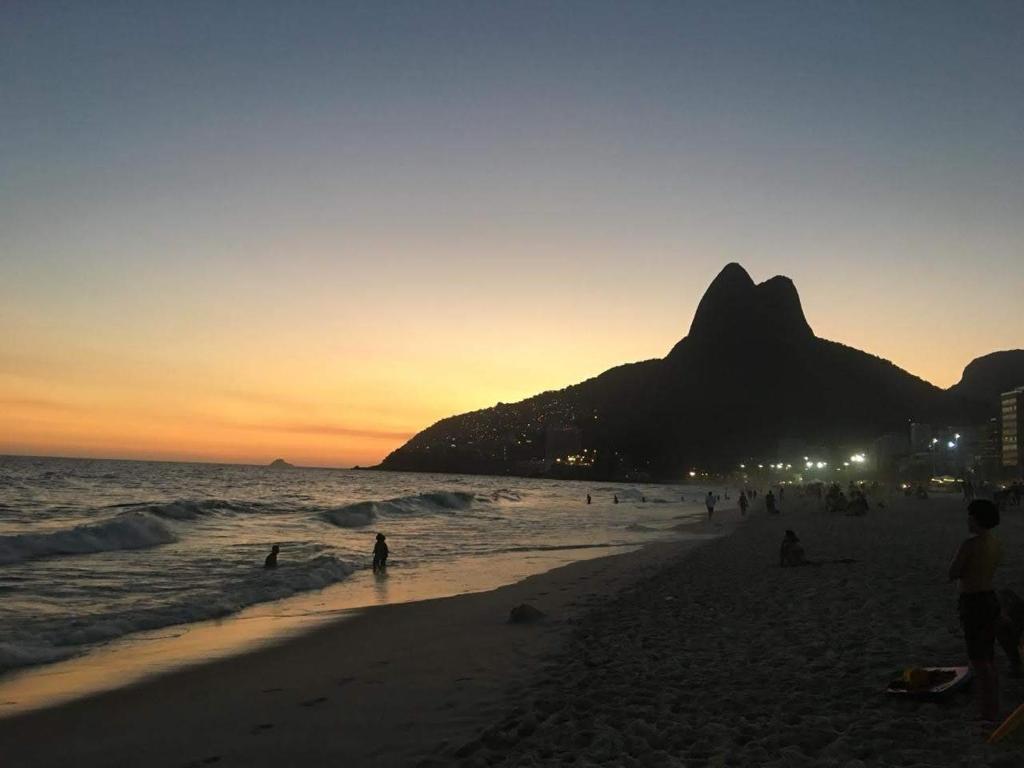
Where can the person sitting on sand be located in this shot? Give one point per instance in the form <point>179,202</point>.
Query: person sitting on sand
<point>271,561</point>
<point>791,553</point>
<point>380,553</point>
<point>974,565</point>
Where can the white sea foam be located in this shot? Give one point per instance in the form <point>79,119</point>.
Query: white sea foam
<point>133,530</point>
<point>226,598</point>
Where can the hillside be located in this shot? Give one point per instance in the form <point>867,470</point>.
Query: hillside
<point>749,373</point>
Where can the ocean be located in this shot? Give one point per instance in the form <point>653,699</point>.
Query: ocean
<point>94,551</point>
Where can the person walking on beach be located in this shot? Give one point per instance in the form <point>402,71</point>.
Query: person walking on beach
<point>615,499</point>
<point>380,553</point>
<point>743,503</point>
<point>709,501</point>
<point>974,565</point>
<point>588,498</point>
<point>769,502</point>
<point>271,561</point>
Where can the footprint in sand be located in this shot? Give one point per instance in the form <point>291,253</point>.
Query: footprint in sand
<point>261,727</point>
<point>313,702</point>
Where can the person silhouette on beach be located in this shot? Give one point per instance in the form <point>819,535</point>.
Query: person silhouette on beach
<point>709,501</point>
<point>743,503</point>
<point>791,553</point>
<point>380,553</point>
<point>769,503</point>
<point>974,566</point>
<point>271,561</point>
<point>615,499</point>
<point>588,498</point>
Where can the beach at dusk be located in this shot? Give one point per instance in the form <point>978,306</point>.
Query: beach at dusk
<point>541,383</point>
<point>677,654</point>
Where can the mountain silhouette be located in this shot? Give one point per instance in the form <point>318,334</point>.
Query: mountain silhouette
<point>986,377</point>
<point>749,374</point>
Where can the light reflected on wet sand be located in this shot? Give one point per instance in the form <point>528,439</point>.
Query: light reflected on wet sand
<point>149,654</point>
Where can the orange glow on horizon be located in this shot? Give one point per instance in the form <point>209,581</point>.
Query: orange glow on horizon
<point>323,382</point>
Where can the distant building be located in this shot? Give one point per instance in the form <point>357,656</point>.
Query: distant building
<point>1012,415</point>
<point>987,458</point>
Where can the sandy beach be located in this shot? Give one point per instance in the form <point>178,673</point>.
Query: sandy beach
<point>678,654</point>
<point>724,658</point>
<point>389,685</point>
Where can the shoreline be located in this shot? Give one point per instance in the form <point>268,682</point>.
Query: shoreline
<point>384,681</point>
<point>137,657</point>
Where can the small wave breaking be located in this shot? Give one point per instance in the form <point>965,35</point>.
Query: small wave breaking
<point>221,600</point>
<point>133,530</point>
<point>362,513</point>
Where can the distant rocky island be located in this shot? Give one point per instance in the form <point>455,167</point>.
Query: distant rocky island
<point>749,375</point>
<point>280,464</point>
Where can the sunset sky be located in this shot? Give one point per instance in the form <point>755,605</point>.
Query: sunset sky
<point>237,231</point>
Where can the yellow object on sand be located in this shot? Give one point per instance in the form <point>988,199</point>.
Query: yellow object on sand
<point>916,678</point>
<point>1009,726</point>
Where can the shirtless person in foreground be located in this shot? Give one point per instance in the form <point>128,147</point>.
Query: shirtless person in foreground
<point>974,565</point>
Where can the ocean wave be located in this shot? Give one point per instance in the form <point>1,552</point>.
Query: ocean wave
<point>184,509</point>
<point>132,530</point>
<point>14,655</point>
<point>352,515</point>
<point>218,600</point>
<point>362,513</point>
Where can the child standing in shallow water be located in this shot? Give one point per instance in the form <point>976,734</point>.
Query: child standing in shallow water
<point>380,553</point>
<point>974,565</point>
